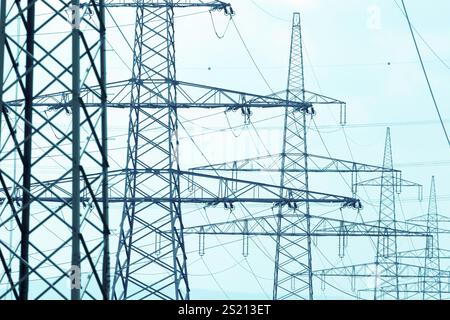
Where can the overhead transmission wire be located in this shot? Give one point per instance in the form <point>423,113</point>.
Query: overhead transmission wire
<point>262,76</point>
<point>269,13</point>
<point>328,283</point>
<point>326,147</point>
<point>444,63</point>
<point>216,33</point>
<point>265,80</point>
<point>342,128</point>
<point>114,252</point>
<point>422,64</point>
<point>251,56</point>
<point>215,29</point>
<point>351,154</point>
<point>430,88</point>
<point>260,73</point>
<point>215,280</point>
<point>404,218</point>
<point>206,216</point>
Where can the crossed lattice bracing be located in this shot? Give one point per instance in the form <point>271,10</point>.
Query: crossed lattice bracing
<point>48,249</point>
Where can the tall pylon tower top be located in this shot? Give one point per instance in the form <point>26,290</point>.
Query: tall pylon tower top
<point>296,78</point>
<point>387,159</point>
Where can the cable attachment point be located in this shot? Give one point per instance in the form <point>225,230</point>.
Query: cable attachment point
<point>293,205</point>
<point>353,204</point>
<point>228,10</point>
<point>306,107</point>
<point>311,111</point>
<point>228,206</point>
<point>247,113</point>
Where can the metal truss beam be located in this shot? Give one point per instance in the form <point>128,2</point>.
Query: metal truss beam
<point>414,290</point>
<point>190,96</point>
<point>406,272</point>
<point>421,254</point>
<point>160,272</point>
<point>398,184</point>
<point>317,164</point>
<point>366,270</point>
<point>320,227</point>
<point>213,5</point>
<point>194,188</point>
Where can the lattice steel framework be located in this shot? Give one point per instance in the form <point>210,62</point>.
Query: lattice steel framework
<point>432,281</point>
<point>293,257</point>
<point>386,270</point>
<point>429,284</point>
<point>54,246</point>
<point>163,174</point>
<point>386,260</point>
<point>155,186</point>
<point>153,81</point>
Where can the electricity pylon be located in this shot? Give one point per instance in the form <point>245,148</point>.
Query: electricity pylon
<point>432,286</point>
<point>52,244</point>
<point>386,270</point>
<point>429,283</point>
<point>386,260</point>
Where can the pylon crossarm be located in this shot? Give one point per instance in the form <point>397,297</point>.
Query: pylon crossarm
<point>412,287</point>
<point>190,95</point>
<point>419,289</point>
<point>376,182</point>
<point>310,97</point>
<point>417,227</point>
<point>397,183</point>
<point>366,270</point>
<point>272,163</point>
<point>422,254</point>
<point>320,227</point>
<point>214,5</point>
<point>195,188</point>
<point>424,219</point>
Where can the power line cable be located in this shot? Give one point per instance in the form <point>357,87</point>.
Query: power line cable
<point>268,12</point>
<point>251,56</point>
<point>425,72</point>
<point>446,65</point>
<point>215,29</point>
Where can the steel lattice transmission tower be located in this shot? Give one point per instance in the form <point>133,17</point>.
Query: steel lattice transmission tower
<point>71,203</point>
<point>50,243</point>
<point>153,81</point>
<point>432,286</point>
<point>429,284</point>
<point>386,271</point>
<point>293,258</point>
<point>386,260</point>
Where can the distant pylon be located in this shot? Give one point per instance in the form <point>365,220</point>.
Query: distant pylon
<point>386,260</point>
<point>432,280</point>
